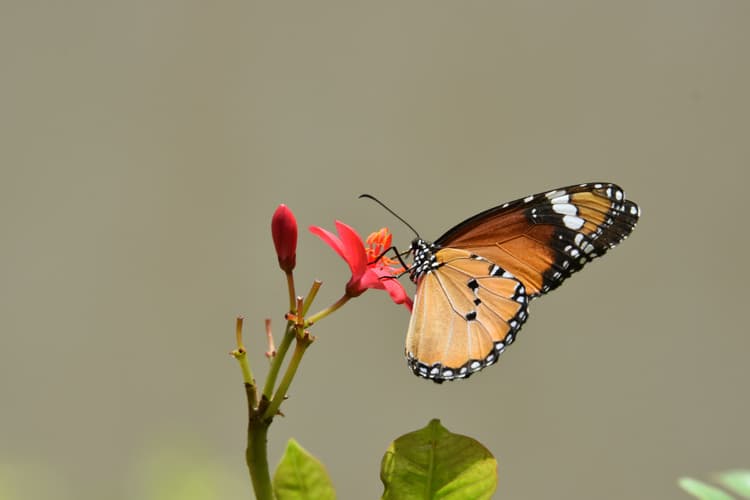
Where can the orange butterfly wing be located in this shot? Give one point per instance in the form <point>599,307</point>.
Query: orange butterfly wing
<point>474,283</point>
<point>543,239</point>
<point>465,312</point>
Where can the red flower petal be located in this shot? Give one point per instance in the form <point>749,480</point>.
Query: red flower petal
<point>390,284</point>
<point>350,247</point>
<point>355,250</point>
<point>330,239</point>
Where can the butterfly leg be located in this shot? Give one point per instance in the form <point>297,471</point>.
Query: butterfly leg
<point>399,256</point>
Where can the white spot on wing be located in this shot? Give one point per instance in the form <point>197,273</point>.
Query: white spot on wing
<point>573,222</point>
<point>561,199</point>
<point>565,209</point>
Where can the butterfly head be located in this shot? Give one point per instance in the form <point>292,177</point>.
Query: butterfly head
<point>424,260</point>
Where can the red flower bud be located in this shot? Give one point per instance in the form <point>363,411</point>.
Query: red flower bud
<point>284,232</point>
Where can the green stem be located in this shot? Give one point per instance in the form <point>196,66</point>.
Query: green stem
<point>292,295</point>
<point>252,398</point>
<point>286,381</point>
<point>240,354</point>
<point>273,372</point>
<point>311,296</point>
<point>256,453</point>
<point>325,312</point>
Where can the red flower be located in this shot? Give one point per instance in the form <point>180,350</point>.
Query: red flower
<point>366,273</point>
<point>284,232</point>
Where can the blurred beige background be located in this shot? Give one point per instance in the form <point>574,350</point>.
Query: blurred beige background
<point>144,146</point>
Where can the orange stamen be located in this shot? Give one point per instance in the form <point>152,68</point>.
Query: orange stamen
<point>377,243</point>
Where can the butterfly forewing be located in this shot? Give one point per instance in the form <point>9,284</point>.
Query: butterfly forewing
<point>544,238</point>
<point>466,311</point>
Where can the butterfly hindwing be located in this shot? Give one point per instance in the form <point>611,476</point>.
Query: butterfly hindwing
<point>467,310</point>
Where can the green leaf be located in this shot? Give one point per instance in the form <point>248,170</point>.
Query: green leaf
<point>702,490</point>
<point>736,480</point>
<point>301,476</point>
<point>433,463</point>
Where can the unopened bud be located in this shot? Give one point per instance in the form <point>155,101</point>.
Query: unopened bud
<point>284,232</point>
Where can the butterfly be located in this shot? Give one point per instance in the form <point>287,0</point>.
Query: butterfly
<point>474,282</point>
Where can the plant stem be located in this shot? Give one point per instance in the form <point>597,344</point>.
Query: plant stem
<point>261,416</point>
<point>292,295</point>
<point>311,296</point>
<point>256,454</point>
<point>299,350</point>
<point>325,312</point>
<point>273,372</point>
<point>240,354</point>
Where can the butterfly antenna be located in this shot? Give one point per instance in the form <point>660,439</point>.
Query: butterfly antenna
<point>391,211</point>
